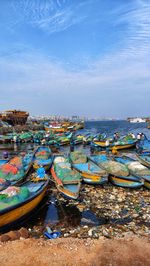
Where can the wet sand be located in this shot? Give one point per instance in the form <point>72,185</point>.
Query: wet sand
<point>71,251</point>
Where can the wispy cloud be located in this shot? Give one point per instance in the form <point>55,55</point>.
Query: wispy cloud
<point>48,15</point>
<point>113,82</point>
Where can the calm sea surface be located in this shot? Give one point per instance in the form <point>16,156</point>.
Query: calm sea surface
<point>112,126</point>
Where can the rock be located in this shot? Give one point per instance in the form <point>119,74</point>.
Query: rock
<point>24,232</point>
<point>66,235</point>
<point>14,235</point>
<point>4,238</point>
<point>135,215</point>
<point>90,232</point>
<point>112,197</point>
<point>105,233</point>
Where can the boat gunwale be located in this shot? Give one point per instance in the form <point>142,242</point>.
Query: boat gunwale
<point>11,208</point>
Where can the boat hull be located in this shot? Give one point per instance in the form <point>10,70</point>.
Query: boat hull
<point>147,184</point>
<point>70,191</point>
<point>90,178</point>
<point>118,147</point>
<point>144,162</point>
<point>124,182</point>
<point>22,210</point>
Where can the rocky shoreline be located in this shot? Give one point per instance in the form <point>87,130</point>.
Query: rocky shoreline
<point>107,226</point>
<point>101,211</point>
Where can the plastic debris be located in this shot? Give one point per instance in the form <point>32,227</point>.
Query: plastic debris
<point>52,235</point>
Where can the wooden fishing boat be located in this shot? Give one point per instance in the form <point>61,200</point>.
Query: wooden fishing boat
<point>127,182</point>
<point>119,174</point>
<point>90,172</point>
<point>55,129</point>
<point>14,117</point>
<point>67,181</point>
<point>42,157</point>
<point>25,137</point>
<point>143,145</point>
<point>147,182</point>
<point>6,138</point>
<point>135,168</point>
<point>118,145</point>
<point>15,207</point>
<point>79,125</point>
<point>78,139</point>
<point>144,159</point>
<point>64,139</point>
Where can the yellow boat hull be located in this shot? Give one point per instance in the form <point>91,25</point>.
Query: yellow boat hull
<point>18,213</point>
<point>146,184</point>
<point>117,147</point>
<point>94,179</point>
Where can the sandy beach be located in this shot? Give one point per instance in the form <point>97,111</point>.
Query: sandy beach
<point>71,251</point>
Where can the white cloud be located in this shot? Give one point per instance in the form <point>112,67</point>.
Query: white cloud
<point>118,79</point>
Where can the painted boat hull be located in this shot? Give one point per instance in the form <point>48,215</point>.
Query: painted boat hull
<point>118,147</point>
<point>147,184</point>
<point>36,160</point>
<point>46,167</point>
<point>144,162</point>
<point>91,178</point>
<point>66,190</point>
<point>125,182</point>
<point>56,130</point>
<point>21,210</point>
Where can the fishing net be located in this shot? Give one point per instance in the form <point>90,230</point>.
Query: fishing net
<point>138,169</point>
<point>65,173</point>
<point>3,183</point>
<point>78,157</point>
<point>13,170</point>
<point>59,160</point>
<point>115,168</point>
<point>12,196</point>
<point>16,161</point>
<point>25,135</point>
<point>42,154</point>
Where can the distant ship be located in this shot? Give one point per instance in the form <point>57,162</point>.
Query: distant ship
<point>136,120</point>
<point>14,117</point>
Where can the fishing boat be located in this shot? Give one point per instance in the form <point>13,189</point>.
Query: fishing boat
<point>119,173</point>
<point>67,181</point>
<point>147,182</point>
<point>144,159</point>
<point>25,137</point>
<point>6,138</point>
<point>77,139</point>
<point>79,125</point>
<point>55,128</point>
<point>143,145</point>
<point>17,202</point>
<point>42,157</point>
<point>14,117</point>
<point>90,172</point>
<point>135,168</point>
<point>125,142</point>
<point>64,139</point>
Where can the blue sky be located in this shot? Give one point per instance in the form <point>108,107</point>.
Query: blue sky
<point>75,57</point>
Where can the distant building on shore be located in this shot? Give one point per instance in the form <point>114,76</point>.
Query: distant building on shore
<point>136,120</point>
